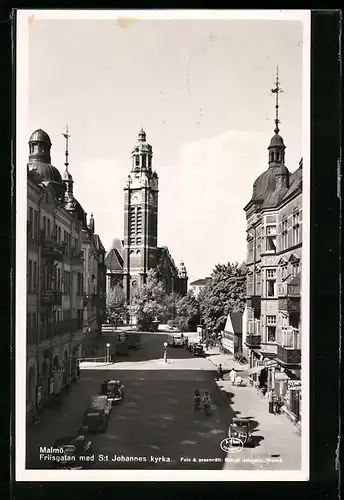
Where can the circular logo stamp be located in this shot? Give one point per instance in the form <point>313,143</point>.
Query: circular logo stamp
<point>231,445</point>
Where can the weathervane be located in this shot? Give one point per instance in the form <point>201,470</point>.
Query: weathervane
<point>277,90</point>
<point>66,136</point>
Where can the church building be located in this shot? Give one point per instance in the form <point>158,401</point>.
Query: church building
<point>129,260</point>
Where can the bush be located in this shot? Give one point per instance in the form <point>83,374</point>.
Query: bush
<point>171,323</point>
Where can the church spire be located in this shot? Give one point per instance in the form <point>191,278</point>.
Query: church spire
<point>277,147</point>
<point>277,90</point>
<point>66,136</point>
<point>67,177</point>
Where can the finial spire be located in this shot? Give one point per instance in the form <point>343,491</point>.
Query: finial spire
<point>277,90</point>
<point>66,136</point>
<point>142,135</point>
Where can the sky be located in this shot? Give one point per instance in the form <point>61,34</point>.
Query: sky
<point>201,89</point>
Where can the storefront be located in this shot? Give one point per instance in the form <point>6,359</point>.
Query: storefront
<point>293,400</point>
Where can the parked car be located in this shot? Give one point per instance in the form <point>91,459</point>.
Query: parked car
<point>240,429</point>
<point>198,350</point>
<point>101,403</point>
<point>175,339</point>
<point>95,420</point>
<point>113,390</point>
<point>191,345</point>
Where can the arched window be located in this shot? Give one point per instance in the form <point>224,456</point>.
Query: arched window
<point>137,160</point>
<point>144,161</point>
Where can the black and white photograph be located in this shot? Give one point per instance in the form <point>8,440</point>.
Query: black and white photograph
<point>162,245</point>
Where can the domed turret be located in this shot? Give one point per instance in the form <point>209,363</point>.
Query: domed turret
<point>40,136</point>
<point>142,153</point>
<point>39,166</point>
<point>268,185</point>
<point>182,270</point>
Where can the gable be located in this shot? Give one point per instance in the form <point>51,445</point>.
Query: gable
<point>114,261</point>
<point>282,262</point>
<point>293,258</point>
<point>236,319</point>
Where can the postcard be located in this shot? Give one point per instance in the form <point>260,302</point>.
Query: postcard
<point>162,245</point>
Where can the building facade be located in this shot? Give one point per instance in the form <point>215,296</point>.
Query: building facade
<point>55,270</point>
<point>129,260</point>
<point>94,280</point>
<point>232,334</point>
<point>198,285</point>
<point>274,258</point>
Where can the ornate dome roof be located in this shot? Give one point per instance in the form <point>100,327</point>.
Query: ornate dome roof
<point>142,145</point>
<point>265,184</point>
<point>46,171</point>
<point>40,136</point>
<point>277,140</point>
<point>274,198</point>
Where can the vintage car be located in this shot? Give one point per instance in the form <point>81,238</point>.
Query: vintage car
<point>113,390</point>
<point>240,429</point>
<point>101,403</point>
<point>95,420</point>
<point>191,344</point>
<point>198,350</point>
<point>71,449</point>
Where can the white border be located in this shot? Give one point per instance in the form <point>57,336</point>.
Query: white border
<point>21,194</point>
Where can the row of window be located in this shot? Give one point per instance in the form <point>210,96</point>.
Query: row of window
<point>135,227</point>
<point>51,279</point>
<point>288,237</point>
<point>51,324</point>
<point>136,241</point>
<point>54,232</point>
<point>286,337</point>
<point>144,161</point>
<point>271,279</point>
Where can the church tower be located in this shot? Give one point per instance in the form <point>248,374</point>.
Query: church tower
<point>140,217</point>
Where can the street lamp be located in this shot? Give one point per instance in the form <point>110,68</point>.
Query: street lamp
<point>165,351</point>
<point>107,352</point>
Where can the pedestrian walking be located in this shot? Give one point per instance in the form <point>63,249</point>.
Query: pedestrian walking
<point>232,376</point>
<point>219,372</point>
<point>271,400</point>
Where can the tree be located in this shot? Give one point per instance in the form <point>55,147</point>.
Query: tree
<point>224,293</point>
<point>116,304</point>
<point>188,312</point>
<point>149,302</point>
<point>172,301</point>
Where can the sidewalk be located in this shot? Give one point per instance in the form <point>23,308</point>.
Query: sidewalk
<point>274,435</point>
<point>226,360</point>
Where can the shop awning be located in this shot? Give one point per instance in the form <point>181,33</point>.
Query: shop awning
<point>281,376</point>
<point>256,369</point>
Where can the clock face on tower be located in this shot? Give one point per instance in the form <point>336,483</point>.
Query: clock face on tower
<point>136,198</point>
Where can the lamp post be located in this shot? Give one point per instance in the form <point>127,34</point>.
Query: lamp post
<point>107,352</point>
<point>165,351</point>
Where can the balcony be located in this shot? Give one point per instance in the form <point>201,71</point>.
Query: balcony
<point>253,340</point>
<point>289,297</point>
<point>51,247</point>
<point>77,255</point>
<point>253,301</point>
<point>51,297</point>
<point>288,356</point>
